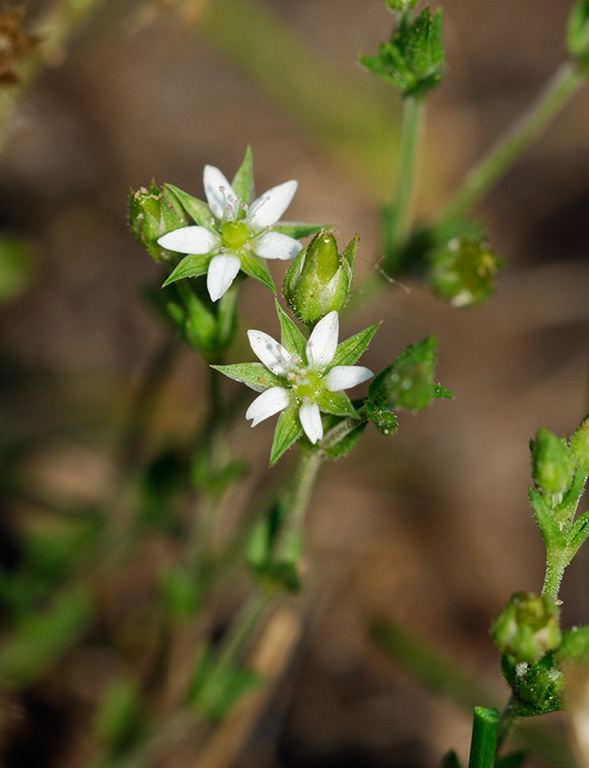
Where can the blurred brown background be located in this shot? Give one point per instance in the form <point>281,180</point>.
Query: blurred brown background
<point>430,528</point>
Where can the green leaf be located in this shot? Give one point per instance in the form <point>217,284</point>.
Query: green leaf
<point>190,266</point>
<point>512,760</point>
<point>288,431</point>
<point>350,350</point>
<point>544,517</point>
<point>254,375</point>
<point>336,403</point>
<point>298,229</point>
<point>407,384</point>
<point>414,61</point>
<point>257,269</point>
<point>243,182</point>
<point>442,392</point>
<point>195,208</point>
<point>450,760</point>
<point>292,338</point>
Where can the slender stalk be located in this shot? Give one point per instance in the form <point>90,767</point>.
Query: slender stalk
<point>297,503</point>
<point>559,89</point>
<point>506,721</point>
<point>484,738</point>
<point>243,629</point>
<point>555,566</point>
<point>411,136</point>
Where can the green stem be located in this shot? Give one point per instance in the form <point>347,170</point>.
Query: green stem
<point>565,82</point>
<point>555,566</point>
<point>243,629</point>
<point>411,135</point>
<point>297,503</point>
<point>506,721</point>
<point>483,746</point>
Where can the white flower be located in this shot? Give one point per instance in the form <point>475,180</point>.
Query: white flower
<point>314,385</point>
<point>235,230</point>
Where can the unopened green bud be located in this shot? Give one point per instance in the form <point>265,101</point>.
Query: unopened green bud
<point>552,465</point>
<point>320,279</point>
<point>580,446</point>
<point>463,271</point>
<point>527,628</point>
<point>152,213</point>
<point>542,685</point>
<point>578,33</point>
<point>401,5</point>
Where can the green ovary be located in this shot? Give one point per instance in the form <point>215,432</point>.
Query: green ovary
<point>235,234</point>
<point>307,384</point>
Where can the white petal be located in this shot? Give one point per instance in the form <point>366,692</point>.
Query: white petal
<point>347,376</point>
<point>222,272</point>
<point>275,245</point>
<point>197,240</point>
<point>267,404</point>
<point>323,342</point>
<point>274,356</point>
<point>217,190</point>
<point>270,206</point>
<point>311,421</point>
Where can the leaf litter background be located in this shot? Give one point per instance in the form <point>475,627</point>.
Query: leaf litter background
<point>429,529</point>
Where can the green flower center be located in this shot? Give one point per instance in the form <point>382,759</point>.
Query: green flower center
<point>235,234</point>
<point>306,383</point>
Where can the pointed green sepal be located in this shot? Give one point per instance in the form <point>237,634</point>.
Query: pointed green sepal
<point>545,520</point>
<point>195,208</point>
<point>298,229</point>
<point>257,269</point>
<point>528,627</point>
<point>580,446</point>
<point>350,350</point>
<point>254,375</point>
<point>288,430</point>
<point>552,465</point>
<point>291,336</point>
<point>190,266</point>
<point>243,181</point>
<point>153,213</point>
<point>336,403</point>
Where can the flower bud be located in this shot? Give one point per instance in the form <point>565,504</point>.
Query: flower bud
<point>463,271</point>
<point>552,465</point>
<point>319,279</point>
<point>527,628</point>
<point>401,5</point>
<point>152,213</point>
<point>580,446</point>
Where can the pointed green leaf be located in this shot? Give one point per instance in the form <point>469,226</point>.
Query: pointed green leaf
<point>544,517</point>
<point>195,208</point>
<point>243,182</point>
<point>292,338</point>
<point>257,269</point>
<point>254,375</point>
<point>350,350</point>
<point>578,533</point>
<point>190,266</point>
<point>288,431</point>
<point>336,403</point>
<point>440,391</point>
<point>298,229</point>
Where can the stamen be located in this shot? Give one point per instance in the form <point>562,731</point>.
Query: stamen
<point>223,249</point>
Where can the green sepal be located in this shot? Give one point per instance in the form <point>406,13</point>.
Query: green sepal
<point>215,689</point>
<point>350,350</point>
<point>288,430</point>
<point>243,181</point>
<point>291,336</point>
<point>257,269</point>
<point>579,446</point>
<point>401,5</point>
<point>442,393</point>
<point>190,266</point>
<point>545,520</point>
<point>336,403</point>
<point>540,688</point>
<point>195,208</point>
<point>527,628</point>
<point>385,421</point>
<point>578,33</point>
<point>254,375</point>
<point>414,60</point>
<point>298,229</point>
<point>578,534</point>
<point>553,467</point>
<point>153,213</point>
<point>407,384</point>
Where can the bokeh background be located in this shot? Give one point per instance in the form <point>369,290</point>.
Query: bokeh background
<point>430,529</point>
